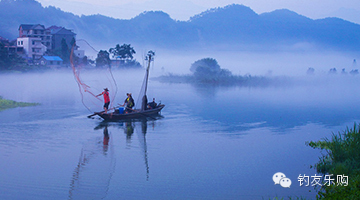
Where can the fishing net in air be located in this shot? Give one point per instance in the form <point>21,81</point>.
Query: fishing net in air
<point>91,79</point>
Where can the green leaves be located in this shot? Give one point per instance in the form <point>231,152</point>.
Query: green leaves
<point>123,52</point>
<point>342,158</point>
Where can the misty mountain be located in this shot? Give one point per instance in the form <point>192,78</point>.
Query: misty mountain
<point>233,26</point>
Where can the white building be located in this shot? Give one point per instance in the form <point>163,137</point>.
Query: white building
<point>36,31</point>
<point>33,47</point>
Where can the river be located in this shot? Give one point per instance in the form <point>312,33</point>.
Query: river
<point>209,143</point>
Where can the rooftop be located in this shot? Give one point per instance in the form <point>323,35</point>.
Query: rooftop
<point>52,58</point>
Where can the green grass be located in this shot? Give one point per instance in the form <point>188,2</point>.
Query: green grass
<point>341,157</point>
<point>6,104</point>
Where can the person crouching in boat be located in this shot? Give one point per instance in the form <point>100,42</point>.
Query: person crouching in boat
<point>129,101</point>
<point>106,99</point>
<point>152,104</point>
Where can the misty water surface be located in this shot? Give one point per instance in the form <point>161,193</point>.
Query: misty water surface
<point>210,143</point>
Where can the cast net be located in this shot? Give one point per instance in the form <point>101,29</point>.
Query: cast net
<point>91,79</point>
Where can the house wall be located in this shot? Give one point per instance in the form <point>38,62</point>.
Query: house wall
<point>37,31</point>
<point>33,47</point>
<point>56,40</point>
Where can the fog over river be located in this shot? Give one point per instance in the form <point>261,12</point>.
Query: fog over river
<point>211,142</point>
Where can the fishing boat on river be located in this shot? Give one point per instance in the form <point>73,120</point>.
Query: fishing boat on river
<point>145,111</point>
<point>136,114</point>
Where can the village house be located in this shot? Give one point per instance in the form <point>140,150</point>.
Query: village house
<point>58,34</point>
<point>32,46</point>
<point>11,47</point>
<point>36,40</point>
<point>51,61</point>
<point>35,31</point>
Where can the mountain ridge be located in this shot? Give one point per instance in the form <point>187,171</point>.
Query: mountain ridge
<point>232,26</point>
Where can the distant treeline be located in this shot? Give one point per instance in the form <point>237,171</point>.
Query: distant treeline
<point>208,71</point>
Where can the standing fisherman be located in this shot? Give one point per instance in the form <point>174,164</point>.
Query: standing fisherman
<point>106,99</point>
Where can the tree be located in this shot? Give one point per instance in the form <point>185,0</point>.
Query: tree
<point>123,52</point>
<point>11,60</point>
<point>65,51</point>
<point>103,59</point>
<point>208,70</point>
<point>4,57</point>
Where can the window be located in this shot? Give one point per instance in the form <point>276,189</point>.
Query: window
<point>35,50</point>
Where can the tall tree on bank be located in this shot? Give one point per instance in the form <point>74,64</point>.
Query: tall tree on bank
<point>103,59</point>
<point>123,52</point>
<point>208,70</point>
<point>4,57</point>
<point>65,51</point>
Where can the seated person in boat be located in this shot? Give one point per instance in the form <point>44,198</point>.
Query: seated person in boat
<point>129,101</point>
<point>152,104</point>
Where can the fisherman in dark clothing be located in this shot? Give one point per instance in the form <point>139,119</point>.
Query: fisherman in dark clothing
<point>129,101</point>
<point>152,104</point>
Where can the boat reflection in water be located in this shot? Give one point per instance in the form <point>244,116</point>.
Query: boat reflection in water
<point>96,166</point>
<point>93,173</point>
<point>139,126</point>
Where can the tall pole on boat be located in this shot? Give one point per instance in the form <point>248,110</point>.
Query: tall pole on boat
<point>149,58</point>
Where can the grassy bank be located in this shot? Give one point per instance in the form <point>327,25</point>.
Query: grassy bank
<point>341,158</point>
<point>6,104</point>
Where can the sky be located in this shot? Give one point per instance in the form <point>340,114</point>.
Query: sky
<point>184,9</point>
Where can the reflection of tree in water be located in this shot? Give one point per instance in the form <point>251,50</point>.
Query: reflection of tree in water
<point>92,175</point>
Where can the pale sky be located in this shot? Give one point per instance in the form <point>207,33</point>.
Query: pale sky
<point>184,9</point>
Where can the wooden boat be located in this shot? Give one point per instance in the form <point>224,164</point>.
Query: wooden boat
<point>144,111</point>
<point>136,114</point>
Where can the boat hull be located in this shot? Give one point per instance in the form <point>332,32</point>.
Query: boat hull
<point>150,113</point>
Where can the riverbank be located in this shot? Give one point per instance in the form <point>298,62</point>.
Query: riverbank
<point>6,104</point>
<point>340,165</point>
